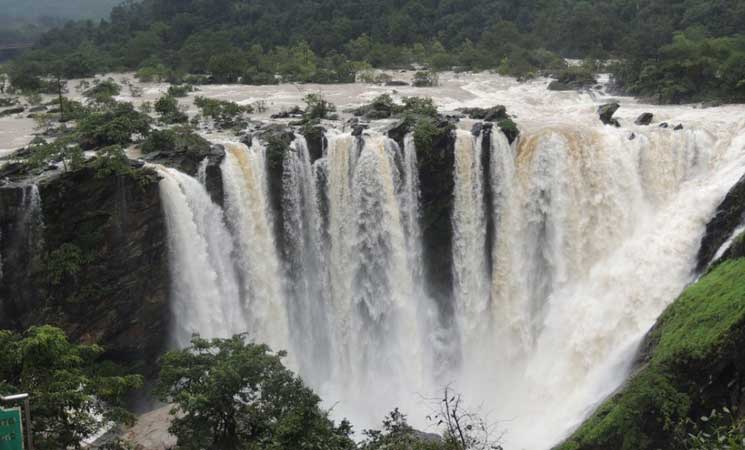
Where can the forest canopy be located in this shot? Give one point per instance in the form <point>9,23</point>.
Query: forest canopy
<point>671,50</point>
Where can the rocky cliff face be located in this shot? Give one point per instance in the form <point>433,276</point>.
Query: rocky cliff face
<point>95,263</point>
<point>729,215</point>
<point>436,181</point>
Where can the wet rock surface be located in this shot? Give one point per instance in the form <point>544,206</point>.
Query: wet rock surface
<point>93,262</point>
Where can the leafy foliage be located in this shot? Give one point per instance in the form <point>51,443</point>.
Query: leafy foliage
<point>223,113</point>
<point>74,394</point>
<point>168,108</point>
<point>229,394</point>
<point>115,126</point>
<point>104,91</point>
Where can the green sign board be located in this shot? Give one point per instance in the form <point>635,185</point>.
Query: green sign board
<point>11,429</point>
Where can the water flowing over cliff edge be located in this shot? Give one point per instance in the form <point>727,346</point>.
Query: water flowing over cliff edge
<point>560,251</point>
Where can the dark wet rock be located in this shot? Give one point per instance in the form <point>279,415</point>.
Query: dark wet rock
<point>606,114</point>
<point>316,139</point>
<point>293,113</point>
<point>477,128</point>
<point>644,119</point>
<point>398,131</point>
<point>246,139</point>
<point>185,150</point>
<point>664,125</point>
<point>557,85</point>
<point>357,130</point>
<point>12,111</point>
<point>632,136</point>
<point>8,101</point>
<point>116,295</point>
<point>509,128</point>
<point>729,215</point>
<point>436,166</point>
<point>12,171</point>
<point>678,127</point>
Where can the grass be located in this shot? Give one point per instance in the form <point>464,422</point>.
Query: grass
<point>695,346</point>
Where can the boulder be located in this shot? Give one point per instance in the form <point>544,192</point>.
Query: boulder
<point>644,119</point>
<point>664,125</point>
<point>606,113</point>
<point>11,111</point>
<point>678,127</point>
<point>632,136</point>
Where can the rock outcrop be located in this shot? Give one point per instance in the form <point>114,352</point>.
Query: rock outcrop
<point>729,215</point>
<point>436,166</point>
<point>606,114</point>
<point>186,151</point>
<point>93,262</point>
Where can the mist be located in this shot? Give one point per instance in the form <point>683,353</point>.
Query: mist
<point>67,9</point>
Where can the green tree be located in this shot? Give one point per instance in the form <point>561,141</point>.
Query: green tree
<point>168,108</point>
<point>229,394</point>
<point>103,92</point>
<point>74,394</point>
<point>317,107</point>
<point>115,126</point>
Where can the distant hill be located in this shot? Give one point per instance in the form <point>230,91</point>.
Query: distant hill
<point>673,50</point>
<point>66,9</point>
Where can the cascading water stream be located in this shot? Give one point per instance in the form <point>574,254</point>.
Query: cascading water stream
<point>205,287</point>
<point>249,214</point>
<point>309,284</point>
<point>376,308</point>
<point>470,278</point>
<point>594,235</point>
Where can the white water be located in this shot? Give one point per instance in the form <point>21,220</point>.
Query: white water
<point>594,235</point>
<point>249,215</point>
<point>376,314</point>
<point>204,289</point>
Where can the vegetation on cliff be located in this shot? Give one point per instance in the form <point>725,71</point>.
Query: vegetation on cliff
<point>692,363</point>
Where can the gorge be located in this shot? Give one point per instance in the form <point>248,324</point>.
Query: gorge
<point>525,275</point>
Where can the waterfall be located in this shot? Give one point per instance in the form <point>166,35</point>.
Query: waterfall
<point>594,235</point>
<point>202,171</point>
<point>307,308</point>
<point>205,289</point>
<point>376,309</point>
<point>28,228</point>
<point>586,238</point>
<point>249,214</point>
<point>470,277</point>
